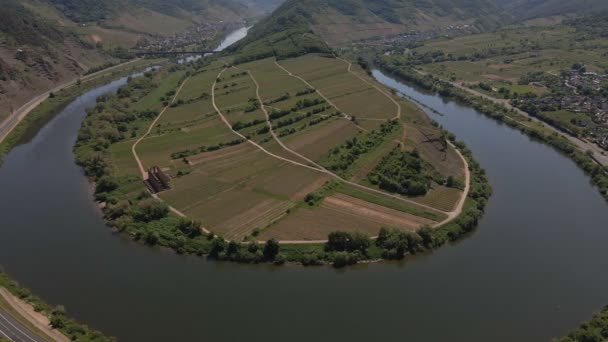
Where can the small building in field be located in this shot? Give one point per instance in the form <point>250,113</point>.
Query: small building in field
<point>157,180</point>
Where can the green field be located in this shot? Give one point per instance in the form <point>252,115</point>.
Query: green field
<point>239,190</point>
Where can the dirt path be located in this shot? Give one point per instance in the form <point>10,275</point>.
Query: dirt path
<point>320,169</point>
<point>139,162</point>
<point>36,319</point>
<point>383,91</point>
<point>134,147</point>
<point>269,123</point>
<point>7,126</point>
<point>331,103</point>
<point>598,152</point>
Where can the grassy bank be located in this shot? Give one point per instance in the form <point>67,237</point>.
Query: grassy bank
<point>44,112</point>
<point>584,160</point>
<point>57,315</point>
<point>594,330</point>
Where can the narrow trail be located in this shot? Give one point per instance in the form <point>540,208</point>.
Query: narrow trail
<point>378,88</point>
<point>223,118</point>
<point>139,162</point>
<point>134,147</point>
<point>269,123</point>
<point>323,170</point>
<point>318,168</point>
<point>331,103</point>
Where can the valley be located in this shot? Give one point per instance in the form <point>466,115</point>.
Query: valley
<point>450,149</point>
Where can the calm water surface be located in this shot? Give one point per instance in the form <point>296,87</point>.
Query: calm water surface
<point>535,267</point>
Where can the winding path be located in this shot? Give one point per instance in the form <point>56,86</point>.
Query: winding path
<point>134,147</point>
<point>316,167</point>
<point>450,215</point>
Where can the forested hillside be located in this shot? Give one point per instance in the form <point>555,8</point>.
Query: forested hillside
<point>341,21</point>
<point>528,9</point>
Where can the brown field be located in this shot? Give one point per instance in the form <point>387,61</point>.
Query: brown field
<point>314,144</point>
<point>258,216</point>
<point>448,163</point>
<point>226,152</point>
<point>157,149</point>
<point>349,93</point>
<point>441,198</point>
<point>238,189</point>
<point>343,213</point>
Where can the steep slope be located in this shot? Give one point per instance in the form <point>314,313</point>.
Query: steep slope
<point>528,9</point>
<point>44,43</point>
<point>36,54</point>
<point>342,21</point>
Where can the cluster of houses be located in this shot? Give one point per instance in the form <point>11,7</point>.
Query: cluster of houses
<point>413,36</point>
<point>199,34</point>
<point>575,79</point>
<point>603,142</point>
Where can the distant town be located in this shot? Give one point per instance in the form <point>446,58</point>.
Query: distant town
<point>579,91</point>
<point>202,35</point>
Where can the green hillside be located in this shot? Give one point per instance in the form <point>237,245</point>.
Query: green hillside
<point>342,21</point>
<point>44,43</point>
<point>528,9</point>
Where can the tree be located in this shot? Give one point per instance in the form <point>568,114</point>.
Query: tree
<point>271,249</point>
<point>151,210</point>
<point>426,233</point>
<point>152,238</point>
<point>338,241</point>
<point>190,228</point>
<point>106,184</point>
<point>233,248</point>
<point>218,245</point>
<point>359,242</point>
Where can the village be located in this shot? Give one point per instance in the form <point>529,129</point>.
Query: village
<point>411,38</point>
<point>586,94</point>
<point>202,35</point>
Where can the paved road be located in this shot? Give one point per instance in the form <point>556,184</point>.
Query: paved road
<point>11,329</point>
<point>15,118</point>
<point>599,155</point>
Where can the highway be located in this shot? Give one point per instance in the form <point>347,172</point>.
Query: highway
<point>11,329</point>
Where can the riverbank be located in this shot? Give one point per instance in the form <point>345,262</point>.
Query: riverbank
<point>35,323</point>
<point>51,323</point>
<point>538,231</point>
<point>597,172</point>
<point>598,154</point>
<point>25,122</point>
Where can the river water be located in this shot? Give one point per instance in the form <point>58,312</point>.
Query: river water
<point>535,267</point>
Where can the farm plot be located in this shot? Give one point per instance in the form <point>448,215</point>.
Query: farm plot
<point>198,86</point>
<point>441,197</point>
<point>349,93</point>
<point>273,81</point>
<point>341,213</point>
<point>364,165</point>
<point>158,149</point>
<point>239,188</point>
<point>426,140</point>
<point>186,115</point>
<point>236,97</point>
<point>317,142</point>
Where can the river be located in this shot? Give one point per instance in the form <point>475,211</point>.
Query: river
<point>535,267</point>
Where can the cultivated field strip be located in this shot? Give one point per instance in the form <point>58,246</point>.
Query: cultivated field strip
<point>253,185</point>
